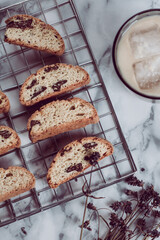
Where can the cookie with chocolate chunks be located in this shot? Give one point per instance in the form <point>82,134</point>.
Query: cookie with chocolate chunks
<point>31,32</point>
<point>14,181</point>
<point>52,80</point>
<point>77,156</point>
<point>4,103</point>
<point>8,139</point>
<point>60,116</point>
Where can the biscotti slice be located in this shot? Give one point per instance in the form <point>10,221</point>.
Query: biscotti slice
<point>28,31</point>
<point>60,116</point>
<point>9,139</point>
<point>14,181</point>
<point>4,103</point>
<point>75,157</point>
<point>52,80</point>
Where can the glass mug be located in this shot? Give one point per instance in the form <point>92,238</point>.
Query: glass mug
<point>145,29</point>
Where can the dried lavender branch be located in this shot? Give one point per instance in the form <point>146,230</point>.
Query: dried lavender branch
<point>147,200</point>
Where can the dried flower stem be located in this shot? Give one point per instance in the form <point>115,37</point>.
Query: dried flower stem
<point>134,219</point>
<point>132,215</point>
<point>85,208</point>
<point>84,214</point>
<point>138,236</point>
<point>98,224</point>
<point>104,221</point>
<point>120,235</point>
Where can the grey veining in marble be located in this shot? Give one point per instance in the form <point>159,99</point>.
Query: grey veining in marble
<point>139,120</point>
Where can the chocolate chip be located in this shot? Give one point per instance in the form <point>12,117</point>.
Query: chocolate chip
<point>5,37</point>
<point>80,114</point>
<point>57,86</point>
<point>9,175</point>
<point>104,154</point>
<point>66,149</point>
<point>33,83</point>
<point>92,158</point>
<point>48,69</point>
<point>34,122</point>
<point>20,24</point>
<point>70,99</point>
<point>55,36</point>
<point>43,78</point>
<point>5,134</point>
<point>72,108</point>
<point>76,167</point>
<point>90,145</point>
<point>0,101</point>
<point>35,94</point>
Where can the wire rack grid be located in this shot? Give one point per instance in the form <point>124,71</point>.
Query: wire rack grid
<point>16,64</point>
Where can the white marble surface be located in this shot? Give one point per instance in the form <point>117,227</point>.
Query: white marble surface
<point>139,120</point>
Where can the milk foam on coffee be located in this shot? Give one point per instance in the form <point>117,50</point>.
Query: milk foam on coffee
<point>138,55</point>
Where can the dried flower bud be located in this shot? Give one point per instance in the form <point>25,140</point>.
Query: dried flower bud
<point>116,205</point>
<point>132,180</point>
<point>127,207</point>
<point>86,223</point>
<point>91,206</point>
<point>141,223</point>
<point>117,222</point>
<point>156,214</point>
<point>89,228</point>
<point>131,193</point>
<point>156,201</point>
<point>147,194</point>
<point>113,220</point>
<point>154,233</point>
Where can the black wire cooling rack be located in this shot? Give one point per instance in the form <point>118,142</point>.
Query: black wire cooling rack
<point>16,64</point>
